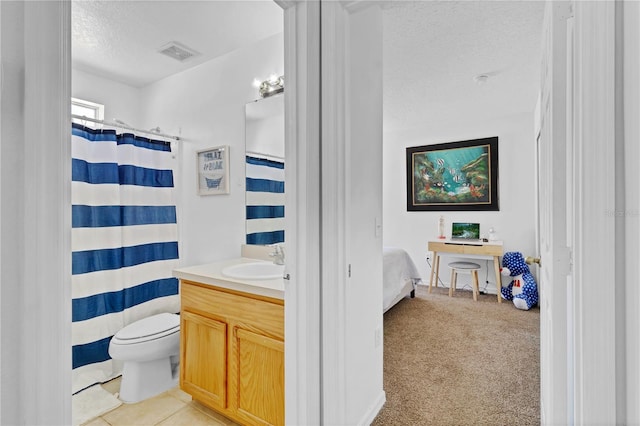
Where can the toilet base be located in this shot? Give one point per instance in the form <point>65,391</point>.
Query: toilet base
<point>142,380</point>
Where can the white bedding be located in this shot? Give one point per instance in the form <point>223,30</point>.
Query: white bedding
<point>399,276</point>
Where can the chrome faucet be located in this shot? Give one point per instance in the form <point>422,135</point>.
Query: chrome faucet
<point>277,254</point>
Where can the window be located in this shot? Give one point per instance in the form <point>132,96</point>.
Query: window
<point>86,109</point>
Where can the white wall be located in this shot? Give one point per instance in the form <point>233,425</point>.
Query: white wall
<point>121,101</point>
<point>363,293</point>
<point>514,223</point>
<point>205,106</point>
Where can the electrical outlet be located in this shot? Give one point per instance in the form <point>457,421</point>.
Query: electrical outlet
<point>378,337</point>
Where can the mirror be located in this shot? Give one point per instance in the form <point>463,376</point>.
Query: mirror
<point>264,170</point>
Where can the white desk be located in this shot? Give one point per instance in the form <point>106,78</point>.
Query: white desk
<point>490,250</point>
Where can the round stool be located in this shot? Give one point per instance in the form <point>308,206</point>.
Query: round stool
<point>464,266</point>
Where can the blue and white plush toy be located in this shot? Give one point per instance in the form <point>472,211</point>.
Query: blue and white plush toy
<point>522,289</point>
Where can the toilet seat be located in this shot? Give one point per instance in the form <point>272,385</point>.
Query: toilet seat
<point>148,329</point>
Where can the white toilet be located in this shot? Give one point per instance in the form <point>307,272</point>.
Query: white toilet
<point>150,350</point>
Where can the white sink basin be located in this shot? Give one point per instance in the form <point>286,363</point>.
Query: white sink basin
<point>254,271</point>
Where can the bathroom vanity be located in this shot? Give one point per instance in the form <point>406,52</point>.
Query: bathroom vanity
<point>232,343</point>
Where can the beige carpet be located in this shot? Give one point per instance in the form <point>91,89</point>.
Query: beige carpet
<point>453,361</point>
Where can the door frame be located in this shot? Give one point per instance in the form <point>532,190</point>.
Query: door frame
<point>303,400</point>
<point>597,373</point>
<point>352,369</point>
<point>628,24</point>
<point>552,229</point>
<point>595,399</point>
<point>598,392</point>
<point>36,261</point>
<point>36,275</point>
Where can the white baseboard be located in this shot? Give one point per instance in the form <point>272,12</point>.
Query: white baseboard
<point>371,414</point>
<point>484,288</point>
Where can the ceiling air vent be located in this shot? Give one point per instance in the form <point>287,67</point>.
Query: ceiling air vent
<point>177,51</point>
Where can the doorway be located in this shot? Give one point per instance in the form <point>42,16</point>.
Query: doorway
<point>459,71</point>
<point>179,68</point>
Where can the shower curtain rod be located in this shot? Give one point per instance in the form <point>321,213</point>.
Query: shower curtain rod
<point>268,156</point>
<point>123,126</point>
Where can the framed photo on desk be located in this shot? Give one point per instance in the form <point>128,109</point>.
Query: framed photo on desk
<point>453,176</point>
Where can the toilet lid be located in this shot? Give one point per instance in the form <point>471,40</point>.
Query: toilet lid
<point>149,328</point>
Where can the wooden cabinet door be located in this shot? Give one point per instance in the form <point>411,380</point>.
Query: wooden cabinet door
<point>203,363</point>
<point>259,378</point>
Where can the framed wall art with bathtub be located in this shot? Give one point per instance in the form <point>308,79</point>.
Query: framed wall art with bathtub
<point>213,170</point>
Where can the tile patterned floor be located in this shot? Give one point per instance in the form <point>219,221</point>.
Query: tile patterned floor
<point>171,408</point>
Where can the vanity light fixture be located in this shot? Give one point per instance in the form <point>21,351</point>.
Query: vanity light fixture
<point>271,86</point>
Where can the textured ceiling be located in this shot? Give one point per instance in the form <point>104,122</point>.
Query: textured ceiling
<point>432,49</point>
<point>120,40</point>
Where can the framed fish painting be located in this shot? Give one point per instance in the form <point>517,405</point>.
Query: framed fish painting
<point>453,176</point>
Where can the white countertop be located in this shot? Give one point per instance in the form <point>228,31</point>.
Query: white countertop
<point>211,274</point>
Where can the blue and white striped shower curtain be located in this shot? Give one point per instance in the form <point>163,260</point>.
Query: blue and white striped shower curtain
<point>124,241</point>
<point>265,200</point>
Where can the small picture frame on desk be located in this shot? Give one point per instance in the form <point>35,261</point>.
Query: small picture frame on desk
<point>212,167</point>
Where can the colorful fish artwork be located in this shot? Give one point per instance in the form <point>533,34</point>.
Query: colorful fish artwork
<point>453,175</point>
<point>440,176</point>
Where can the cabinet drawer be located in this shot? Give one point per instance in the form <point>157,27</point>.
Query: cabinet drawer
<point>449,248</point>
<point>487,249</point>
<point>265,316</point>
